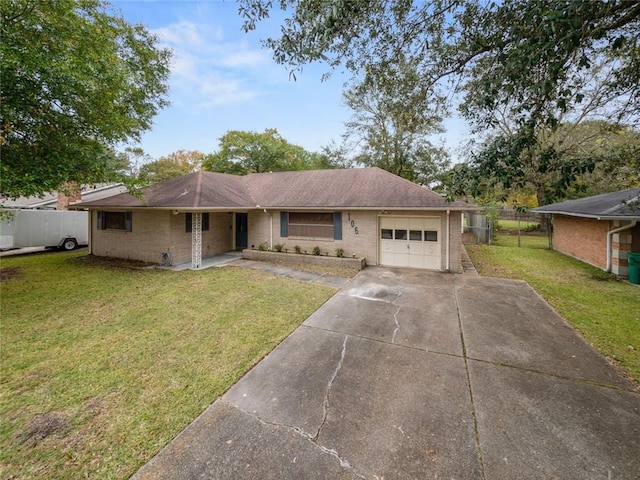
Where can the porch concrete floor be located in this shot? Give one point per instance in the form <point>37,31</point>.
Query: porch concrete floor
<point>235,259</point>
<point>208,262</point>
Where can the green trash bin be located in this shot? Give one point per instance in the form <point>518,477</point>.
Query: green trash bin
<point>634,267</point>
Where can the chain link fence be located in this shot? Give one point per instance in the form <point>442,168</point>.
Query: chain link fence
<point>478,228</point>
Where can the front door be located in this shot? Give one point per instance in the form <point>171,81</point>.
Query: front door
<point>242,223</point>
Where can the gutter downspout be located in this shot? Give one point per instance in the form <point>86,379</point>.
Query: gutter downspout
<point>610,236</point>
<point>448,262</point>
<point>270,229</point>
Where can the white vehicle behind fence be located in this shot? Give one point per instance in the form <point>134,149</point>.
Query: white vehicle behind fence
<point>43,228</point>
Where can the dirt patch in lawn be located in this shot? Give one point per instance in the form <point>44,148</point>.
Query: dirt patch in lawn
<point>41,427</point>
<point>9,273</point>
<point>111,262</point>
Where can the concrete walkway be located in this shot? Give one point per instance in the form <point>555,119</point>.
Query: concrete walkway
<point>414,375</point>
<point>235,259</point>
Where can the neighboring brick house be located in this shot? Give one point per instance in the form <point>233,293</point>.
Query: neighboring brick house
<point>599,230</point>
<point>366,212</point>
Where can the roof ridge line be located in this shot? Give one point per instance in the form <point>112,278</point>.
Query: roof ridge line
<point>622,204</point>
<point>198,192</point>
<point>245,182</point>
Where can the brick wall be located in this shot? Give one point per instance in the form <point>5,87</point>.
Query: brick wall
<point>73,195</point>
<point>621,244</point>
<point>364,243</point>
<point>157,232</point>
<point>583,238</point>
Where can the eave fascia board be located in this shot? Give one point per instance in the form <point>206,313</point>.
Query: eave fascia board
<point>590,215</point>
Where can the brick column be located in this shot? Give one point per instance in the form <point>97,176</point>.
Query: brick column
<point>620,246</point>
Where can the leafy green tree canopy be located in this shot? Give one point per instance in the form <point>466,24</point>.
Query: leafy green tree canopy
<point>393,120</point>
<point>174,165</point>
<point>568,161</point>
<point>527,54</point>
<point>76,78</point>
<point>244,152</point>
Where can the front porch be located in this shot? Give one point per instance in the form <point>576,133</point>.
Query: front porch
<point>206,262</point>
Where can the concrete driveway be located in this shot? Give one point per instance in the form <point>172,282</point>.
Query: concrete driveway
<point>414,375</point>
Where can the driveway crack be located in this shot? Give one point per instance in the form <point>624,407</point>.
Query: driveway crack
<point>473,405</point>
<point>325,403</point>
<point>395,319</point>
<point>344,463</point>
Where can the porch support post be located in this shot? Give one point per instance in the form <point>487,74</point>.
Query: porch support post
<point>196,240</point>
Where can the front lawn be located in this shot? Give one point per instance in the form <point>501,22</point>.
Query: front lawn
<point>101,367</point>
<point>604,309</point>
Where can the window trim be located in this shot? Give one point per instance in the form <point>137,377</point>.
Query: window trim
<point>102,220</point>
<point>429,234</point>
<point>336,225</point>
<point>188,222</point>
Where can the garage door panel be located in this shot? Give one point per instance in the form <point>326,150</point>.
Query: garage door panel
<point>410,242</point>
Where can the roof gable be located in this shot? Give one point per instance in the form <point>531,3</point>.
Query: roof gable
<point>340,188</point>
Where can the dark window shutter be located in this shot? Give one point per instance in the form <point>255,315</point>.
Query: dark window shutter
<point>100,223</point>
<point>284,224</point>
<point>205,222</point>
<point>188,226</point>
<point>128,223</point>
<point>337,225</point>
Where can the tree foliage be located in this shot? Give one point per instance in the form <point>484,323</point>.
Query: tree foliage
<point>244,152</point>
<point>571,160</point>
<point>76,79</point>
<point>174,165</point>
<point>392,120</point>
<point>615,150</point>
<point>522,52</point>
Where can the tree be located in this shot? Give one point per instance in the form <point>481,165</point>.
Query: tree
<point>616,153</point>
<point>557,159</point>
<point>570,161</point>
<point>251,152</point>
<point>174,165</point>
<point>336,155</point>
<point>511,163</point>
<point>75,80</point>
<point>393,116</point>
<point>524,53</point>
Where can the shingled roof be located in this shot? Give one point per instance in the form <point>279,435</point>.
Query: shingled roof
<point>341,188</point>
<point>624,204</point>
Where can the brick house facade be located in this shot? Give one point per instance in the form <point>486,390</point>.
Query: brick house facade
<point>245,212</point>
<point>598,230</point>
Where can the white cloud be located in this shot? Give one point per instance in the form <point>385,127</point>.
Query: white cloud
<point>209,72</point>
<point>245,58</point>
<point>183,34</point>
<point>217,91</point>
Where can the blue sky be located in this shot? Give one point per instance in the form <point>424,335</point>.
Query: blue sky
<point>223,79</point>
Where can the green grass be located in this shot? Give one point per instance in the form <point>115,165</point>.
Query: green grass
<point>102,367</point>
<point>513,225</point>
<point>604,309</point>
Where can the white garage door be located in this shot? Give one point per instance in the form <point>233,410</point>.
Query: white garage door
<point>410,242</point>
